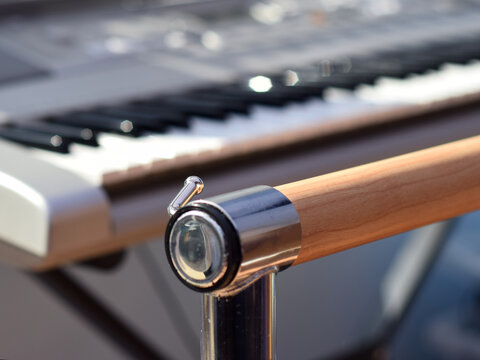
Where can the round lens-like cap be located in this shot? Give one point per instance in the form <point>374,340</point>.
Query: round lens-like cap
<point>197,249</point>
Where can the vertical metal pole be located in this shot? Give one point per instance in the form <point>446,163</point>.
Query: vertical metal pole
<point>241,326</point>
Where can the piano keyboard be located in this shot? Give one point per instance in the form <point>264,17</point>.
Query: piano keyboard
<point>111,145</point>
<point>102,145</point>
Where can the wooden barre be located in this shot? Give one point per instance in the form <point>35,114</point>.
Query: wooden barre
<point>256,230</point>
<point>231,246</point>
<point>352,207</point>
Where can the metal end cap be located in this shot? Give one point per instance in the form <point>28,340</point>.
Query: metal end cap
<point>202,247</point>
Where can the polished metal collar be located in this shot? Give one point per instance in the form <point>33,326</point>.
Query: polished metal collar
<point>268,228</point>
<point>225,243</point>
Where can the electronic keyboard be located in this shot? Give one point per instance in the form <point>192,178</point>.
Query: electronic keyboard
<point>94,144</point>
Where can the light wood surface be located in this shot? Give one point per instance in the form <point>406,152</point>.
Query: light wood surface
<point>352,207</point>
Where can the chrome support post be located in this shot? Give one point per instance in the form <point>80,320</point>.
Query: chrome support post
<point>241,326</point>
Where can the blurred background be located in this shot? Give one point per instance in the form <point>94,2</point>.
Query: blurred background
<point>326,309</point>
<point>373,78</point>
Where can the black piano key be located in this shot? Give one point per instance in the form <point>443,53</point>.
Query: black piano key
<point>203,110</point>
<point>303,88</point>
<point>289,93</point>
<point>85,136</point>
<point>271,98</point>
<point>348,82</point>
<point>393,63</point>
<point>353,71</point>
<point>471,48</point>
<point>278,89</point>
<point>36,139</point>
<point>452,51</point>
<point>382,67</point>
<point>317,76</point>
<point>433,54</point>
<point>154,114</point>
<point>409,62</point>
<point>225,105</point>
<point>99,122</point>
<point>348,79</point>
<point>469,53</point>
<point>241,105</point>
<point>307,90</point>
<point>250,98</point>
<point>454,55</point>
<point>140,122</point>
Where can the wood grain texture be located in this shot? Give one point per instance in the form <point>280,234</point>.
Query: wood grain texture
<point>352,207</point>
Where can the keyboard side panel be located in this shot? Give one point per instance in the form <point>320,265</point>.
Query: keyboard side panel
<point>46,209</point>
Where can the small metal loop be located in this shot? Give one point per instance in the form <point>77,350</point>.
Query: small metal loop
<point>193,185</point>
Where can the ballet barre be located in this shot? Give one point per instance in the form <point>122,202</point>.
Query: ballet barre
<point>230,247</point>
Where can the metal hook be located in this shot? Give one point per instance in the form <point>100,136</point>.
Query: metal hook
<point>193,186</point>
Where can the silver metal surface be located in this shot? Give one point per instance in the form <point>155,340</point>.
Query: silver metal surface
<point>193,186</point>
<point>268,227</point>
<point>241,326</point>
<point>197,249</point>
<point>239,286</point>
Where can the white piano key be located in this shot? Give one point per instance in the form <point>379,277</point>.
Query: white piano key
<point>91,163</point>
<point>163,147</point>
<point>462,79</point>
<point>264,120</point>
<point>116,154</point>
<point>203,127</point>
<point>126,157</point>
<point>451,80</point>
